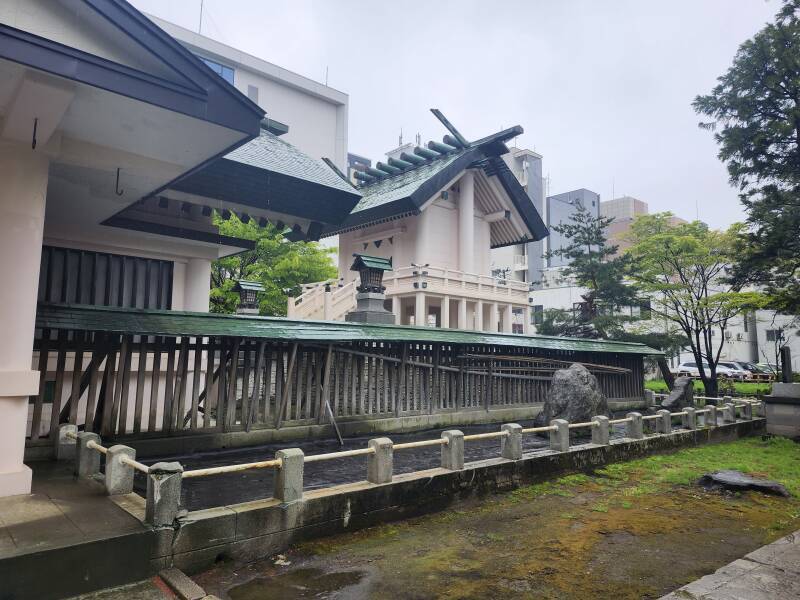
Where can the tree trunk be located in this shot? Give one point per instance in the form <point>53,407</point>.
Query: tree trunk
<point>669,378</point>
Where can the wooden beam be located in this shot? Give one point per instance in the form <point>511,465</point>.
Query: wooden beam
<point>287,387</point>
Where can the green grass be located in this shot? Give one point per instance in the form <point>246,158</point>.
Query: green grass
<point>775,458</point>
<point>745,388</point>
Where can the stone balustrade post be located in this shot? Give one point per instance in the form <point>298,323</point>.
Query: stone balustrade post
<point>511,444</point>
<point>163,494</point>
<point>747,411</point>
<point>635,426</point>
<point>664,421</point>
<point>453,450</point>
<point>601,430</point>
<point>559,437</point>
<point>649,398</point>
<point>64,444</point>
<point>87,460</point>
<point>689,419</point>
<point>119,475</point>
<point>729,413</point>
<point>289,477</point>
<point>380,464</point>
<point>711,416</point>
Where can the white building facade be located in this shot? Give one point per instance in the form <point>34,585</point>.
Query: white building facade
<point>436,212</point>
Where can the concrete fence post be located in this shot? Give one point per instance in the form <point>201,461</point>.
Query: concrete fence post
<point>559,437</point>
<point>87,460</point>
<point>601,431</point>
<point>649,398</point>
<point>747,411</point>
<point>380,464</point>
<point>689,420</point>
<point>163,494</point>
<point>511,444</point>
<point>635,425</point>
<point>65,445</point>
<point>729,413</point>
<point>119,476</point>
<point>760,411</point>
<point>711,416</point>
<point>453,450</point>
<point>289,477</point>
<point>664,421</point>
<point>727,400</point>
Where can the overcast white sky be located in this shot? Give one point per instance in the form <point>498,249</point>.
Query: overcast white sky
<point>602,88</point>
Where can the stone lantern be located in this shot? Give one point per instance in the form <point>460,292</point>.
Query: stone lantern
<point>370,296</point>
<point>248,296</point>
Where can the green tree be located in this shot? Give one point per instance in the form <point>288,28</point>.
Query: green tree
<point>594,265</point>
<point>280,265</point>
<point>755,116</point>
<point>682,268</point>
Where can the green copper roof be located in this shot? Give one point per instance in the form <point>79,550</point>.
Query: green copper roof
<point>250,285</point>
<point>371,262</point>
<point>175,323</point>
<point>403,185</point>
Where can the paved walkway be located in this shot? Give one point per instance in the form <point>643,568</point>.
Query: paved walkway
<point>67,537</point>
<point>772,571</point>
<point>60,512</point>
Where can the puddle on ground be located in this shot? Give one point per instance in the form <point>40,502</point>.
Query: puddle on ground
<point>298,583</point>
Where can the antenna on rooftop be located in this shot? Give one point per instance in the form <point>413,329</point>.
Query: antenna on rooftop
<point>200,24</point>
<point>400,139</point>
<point>419,139</point>
<point>326,75</point>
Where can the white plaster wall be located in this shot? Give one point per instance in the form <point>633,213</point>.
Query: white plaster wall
<point>312,121</point>
<point>402,251</point>
<point>429,238</point>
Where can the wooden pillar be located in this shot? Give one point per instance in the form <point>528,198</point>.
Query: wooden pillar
<point>508,318</point>
<point>462,314</point>
<point>420,313</point>
<point>445,312</point>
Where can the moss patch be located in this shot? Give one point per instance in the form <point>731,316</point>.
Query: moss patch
<point>630,530</point>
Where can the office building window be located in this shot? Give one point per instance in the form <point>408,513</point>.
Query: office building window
<point>538,314</point>
<point>252,93</point>
<point>225,72</point>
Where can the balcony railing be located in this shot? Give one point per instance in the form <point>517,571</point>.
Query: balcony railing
<point>455,283</point>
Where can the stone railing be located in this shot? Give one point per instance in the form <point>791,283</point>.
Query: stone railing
<point>164,479</point>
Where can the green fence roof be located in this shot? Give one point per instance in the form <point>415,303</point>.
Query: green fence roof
<point>176,323</point>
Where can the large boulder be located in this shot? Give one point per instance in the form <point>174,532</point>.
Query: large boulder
<point>681,396</point>
<point>574,395</point>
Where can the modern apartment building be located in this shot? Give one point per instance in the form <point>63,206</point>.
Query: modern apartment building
<point>315,114</point>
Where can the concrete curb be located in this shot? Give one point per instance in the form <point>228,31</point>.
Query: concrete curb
<point>184,587</point>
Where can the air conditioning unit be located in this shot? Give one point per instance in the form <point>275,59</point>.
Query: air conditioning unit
<point>739,337</point>
<point>728,335</point>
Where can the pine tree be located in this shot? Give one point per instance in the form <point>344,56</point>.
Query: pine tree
<point>594,265</point>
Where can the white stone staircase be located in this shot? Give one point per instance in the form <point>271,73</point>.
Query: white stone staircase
<point>325,300</point>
